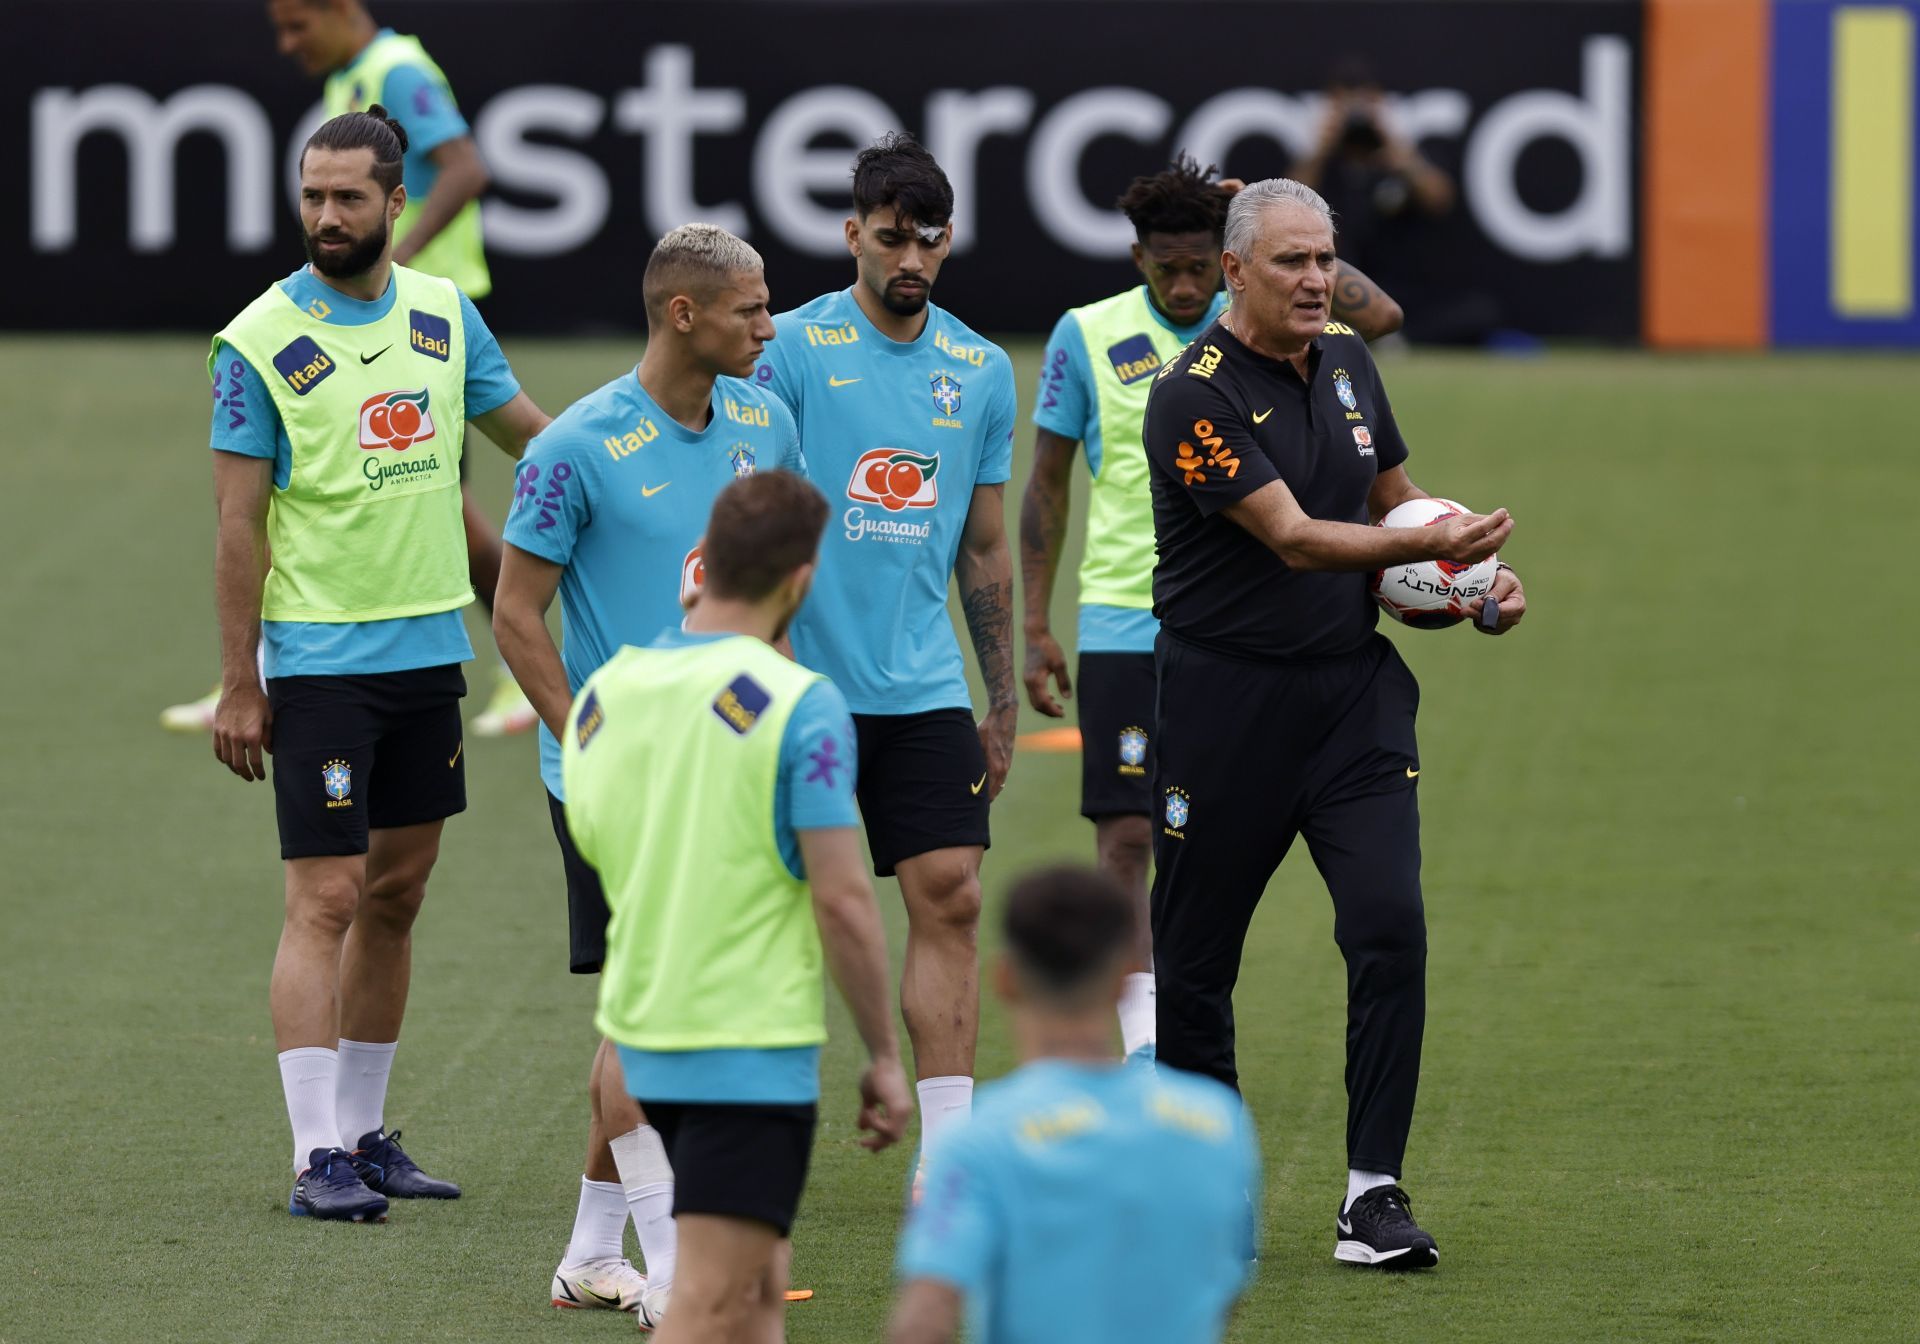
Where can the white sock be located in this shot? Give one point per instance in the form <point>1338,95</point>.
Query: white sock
<point>599,1224</point>
<point>1359,1182</point>
<point>647,1179</point>
<point>362,1098</point>
<point>1137,1011</point>
<point>307,1077</point>
<point>944,1103</point>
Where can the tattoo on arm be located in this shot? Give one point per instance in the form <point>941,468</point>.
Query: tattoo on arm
<point>1043,526</point>
<point>1363,305</point>
<point>989,615</point>
<point>1351,296</point>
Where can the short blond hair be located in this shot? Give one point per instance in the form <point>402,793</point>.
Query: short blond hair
<point>695,260</point>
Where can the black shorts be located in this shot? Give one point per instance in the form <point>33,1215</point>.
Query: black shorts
<point>587,912</point>
<point>1116,734</point>
<point>736,1160</point>
<point>923,784</point>
<point>365,753</point>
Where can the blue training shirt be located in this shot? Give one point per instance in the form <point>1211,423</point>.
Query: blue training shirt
<point>1074,1185</point>
<point>898,434</point>
<point>424,106</point>
<point>814,791</point>
<point>1068,405</point>
<point>617,492</point>
<point>245,421</point>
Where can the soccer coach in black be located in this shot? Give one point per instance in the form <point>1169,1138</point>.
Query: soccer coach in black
<point>1282,711</point>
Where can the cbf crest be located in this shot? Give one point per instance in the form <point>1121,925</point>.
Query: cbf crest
<point>337,777</point>
<point>1178,810</point>
<point>741,455</point>
<point>1133,751</point>
<point>1343,389</point>
<point>946,393</point>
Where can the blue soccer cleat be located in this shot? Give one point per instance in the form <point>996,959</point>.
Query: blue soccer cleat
<point>330,1188</point>
<point>385,1167</point>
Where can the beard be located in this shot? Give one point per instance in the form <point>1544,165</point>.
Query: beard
<point>908,304</point>
<point>358,259</point>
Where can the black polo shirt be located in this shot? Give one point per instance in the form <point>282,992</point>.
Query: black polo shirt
<point>1222,422</point>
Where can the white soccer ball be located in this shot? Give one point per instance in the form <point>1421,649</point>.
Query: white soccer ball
<point>1431,594</point>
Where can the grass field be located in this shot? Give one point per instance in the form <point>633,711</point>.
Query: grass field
<point>1670,1088</point>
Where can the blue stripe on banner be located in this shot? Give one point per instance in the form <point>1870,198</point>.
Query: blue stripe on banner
<point>1801,302</point>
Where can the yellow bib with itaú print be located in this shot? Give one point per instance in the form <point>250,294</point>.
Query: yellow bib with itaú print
<point>368,526</point>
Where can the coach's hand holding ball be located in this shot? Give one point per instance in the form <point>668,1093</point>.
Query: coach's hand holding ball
<point>1462,575</point>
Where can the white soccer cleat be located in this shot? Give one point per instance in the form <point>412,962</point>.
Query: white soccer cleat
<point>508,711</point>
<point>195,716</point>
<point>612,1284</point>
<point>652,1309</point>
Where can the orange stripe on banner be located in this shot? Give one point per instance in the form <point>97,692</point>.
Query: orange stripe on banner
<point>1706,174</point>
<point>1050,739</point>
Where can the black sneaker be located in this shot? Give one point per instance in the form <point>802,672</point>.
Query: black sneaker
<point>385,1167</point>
<point>331,1189</point>
<point>1378,1229</point>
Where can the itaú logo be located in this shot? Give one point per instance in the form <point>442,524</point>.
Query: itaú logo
<point>895,479</point>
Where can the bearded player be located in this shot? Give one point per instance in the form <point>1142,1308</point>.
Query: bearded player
<point>438,233</point>
<point>1099,365</point>
<point>908,417</point>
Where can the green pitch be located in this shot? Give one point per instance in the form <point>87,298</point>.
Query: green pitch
<point>1675,986</point>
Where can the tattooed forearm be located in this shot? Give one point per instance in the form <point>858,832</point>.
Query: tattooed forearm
<point>1043,523</point>
<point>1363,305</point>
<point>989,613</point>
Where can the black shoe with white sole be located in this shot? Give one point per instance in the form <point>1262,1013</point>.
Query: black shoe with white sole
<point>1378,1229</point>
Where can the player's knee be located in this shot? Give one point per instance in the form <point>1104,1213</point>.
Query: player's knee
<point>324,905</point>
<point>1393,929</point>
<point>395,893</point>
<point>1126,847</point>
<point>953,906</point>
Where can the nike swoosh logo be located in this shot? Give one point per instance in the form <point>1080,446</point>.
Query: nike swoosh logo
<point>598,1297</point>
<point>1346,1228</point>
<point>840,382</point>
<point>1412,773</point>
<point>648,492</point>
<point>368,359</point>
<point>454,759</point>
<point>977,787</point>
<point>1261,418</point>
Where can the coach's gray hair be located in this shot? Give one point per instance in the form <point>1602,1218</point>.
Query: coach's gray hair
<point>695,259</point>
<point>1252,200</point>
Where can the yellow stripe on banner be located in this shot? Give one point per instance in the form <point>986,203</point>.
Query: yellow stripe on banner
<point>1872,260</point>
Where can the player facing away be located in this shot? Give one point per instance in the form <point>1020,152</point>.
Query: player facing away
<point>609,507</point>
<point>438,233</point>
<point>1099,366</point>
<point>1284,712</point>
<point>341,397</point>
<point>1078,1180</point>
<point>907,417</point>
<point>710,781</point>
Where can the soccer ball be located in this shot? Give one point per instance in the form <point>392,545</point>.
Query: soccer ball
<point>1431,594</point>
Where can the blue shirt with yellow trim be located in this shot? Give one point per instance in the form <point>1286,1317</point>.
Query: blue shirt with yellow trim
<point>617,492</point>
<point>1074,1185</point>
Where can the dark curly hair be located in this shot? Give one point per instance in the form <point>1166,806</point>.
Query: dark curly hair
<point>372,129</point>
<point>897,171</point>
<point>1183,198</point>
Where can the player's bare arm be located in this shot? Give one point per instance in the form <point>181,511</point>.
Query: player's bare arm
<point>855,945</point>
<point>462,177</point>
<point>1393,488</point>
<point>512,426</point>
<point>928,1312</point>
<point>1275,517</point>
<point>984,571</point>
<point>520,601</point>
<point>1043,529</point>
<point>243,722</point>
<point>1363,305</point>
